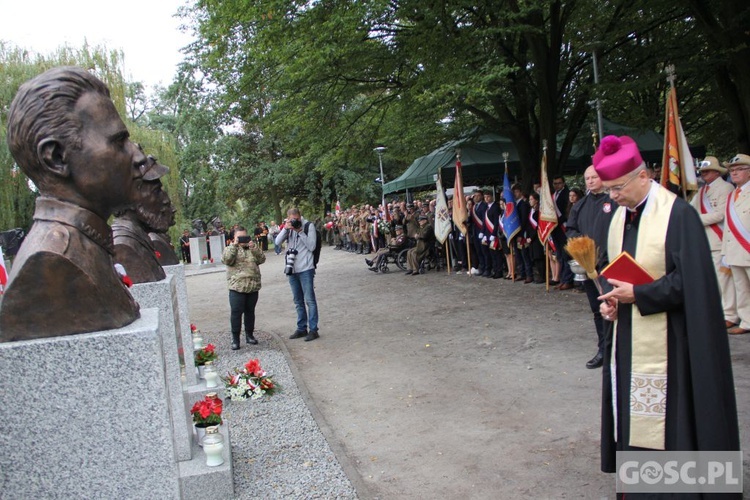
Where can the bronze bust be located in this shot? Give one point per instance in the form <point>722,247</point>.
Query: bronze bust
<point>150,211</point>
<point>65,134</point>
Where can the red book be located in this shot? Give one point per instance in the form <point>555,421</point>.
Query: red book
<point>625,268</point>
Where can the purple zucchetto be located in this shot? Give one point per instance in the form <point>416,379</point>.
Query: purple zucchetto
<point>616,156</point>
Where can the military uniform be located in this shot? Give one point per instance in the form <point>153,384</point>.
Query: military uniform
<point>425,237</point>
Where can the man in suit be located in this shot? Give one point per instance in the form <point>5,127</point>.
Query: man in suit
<point>562,199</point>
<point>736,243</point>
<point>494,254</point>
<point>524,261</point>
<point>479,238</point>
<point>65,134</point>
<point>711,203</point>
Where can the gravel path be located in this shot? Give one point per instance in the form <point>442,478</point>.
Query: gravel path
<point>278,450</point>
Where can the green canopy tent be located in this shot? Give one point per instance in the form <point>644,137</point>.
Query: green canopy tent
<point>481,158</point>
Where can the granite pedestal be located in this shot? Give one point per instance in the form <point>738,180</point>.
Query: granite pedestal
<point>87,415</point>
<point>183,314</point>
<point>163,295</point>
<point>198,250</point>
<point>217,247</point>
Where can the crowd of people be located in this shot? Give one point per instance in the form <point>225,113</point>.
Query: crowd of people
<point>666,334</point>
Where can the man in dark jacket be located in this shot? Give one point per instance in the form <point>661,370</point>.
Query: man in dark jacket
<point>591,217</point>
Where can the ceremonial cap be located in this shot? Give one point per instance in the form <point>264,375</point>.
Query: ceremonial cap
<point>616,156</point>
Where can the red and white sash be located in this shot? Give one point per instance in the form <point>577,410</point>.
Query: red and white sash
<point>488,223</point>
<point>477,221</point>
<point>735,224</point>
<point>532,221</point>
<point>706,207</point>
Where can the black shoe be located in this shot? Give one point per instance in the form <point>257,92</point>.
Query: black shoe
<point>374,269</point>
<point>312,335</point>
<point>299,334</point>
<point>250,339</point>
<point>409,272</point>
<point>595,362</point>
<point>368,262</point>
<point>235,341</point>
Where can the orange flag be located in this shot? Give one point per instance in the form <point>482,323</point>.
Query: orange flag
<point>547,212</point>
<point>677,169</point>
<point>460,216</point>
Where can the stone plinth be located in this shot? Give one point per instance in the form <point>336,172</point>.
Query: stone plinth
<point>87,415</point>
<point>163,295</point>
<point>198,481</point>
<point>183,313</point>
<point>198,249</point>
<point>217,247</point>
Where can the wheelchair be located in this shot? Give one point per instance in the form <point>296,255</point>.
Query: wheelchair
<point>397,257</point>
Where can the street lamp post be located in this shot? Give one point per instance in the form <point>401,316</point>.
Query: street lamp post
<point>380,150</point>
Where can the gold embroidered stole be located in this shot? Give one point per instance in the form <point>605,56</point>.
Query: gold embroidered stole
<point>648,378</point>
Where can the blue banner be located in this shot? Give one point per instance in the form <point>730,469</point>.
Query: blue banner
<point>511,222</point>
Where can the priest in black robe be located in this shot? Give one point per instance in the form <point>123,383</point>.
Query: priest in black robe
<point>690,405</point>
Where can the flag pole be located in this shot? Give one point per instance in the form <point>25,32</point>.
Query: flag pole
<point>546,265</point>
<point>447,257</point>
<point>468,229</point>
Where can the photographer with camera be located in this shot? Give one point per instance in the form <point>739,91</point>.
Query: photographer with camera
<point>300,236</point>
<point>242,259</point>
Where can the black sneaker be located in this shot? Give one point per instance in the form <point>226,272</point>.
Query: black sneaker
<point>312,335</point>
<point>299,334</point>
<point>250,339</point>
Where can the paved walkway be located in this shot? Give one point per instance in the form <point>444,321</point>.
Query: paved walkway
<point>445,386</point>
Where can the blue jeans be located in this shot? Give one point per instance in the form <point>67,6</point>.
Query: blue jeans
<point>303,293</point>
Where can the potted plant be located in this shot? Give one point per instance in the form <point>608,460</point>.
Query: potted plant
<point>207,353</point>
<point>206,413</point>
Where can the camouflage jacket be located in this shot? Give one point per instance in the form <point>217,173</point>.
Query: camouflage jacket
<point>243,273</point>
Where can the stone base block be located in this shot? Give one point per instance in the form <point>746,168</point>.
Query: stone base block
<point>87,415</point>
<point>198,481</point>
<point>183,312</point>
<point>163,295</point>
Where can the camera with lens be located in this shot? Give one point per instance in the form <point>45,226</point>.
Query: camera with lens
<point>291,256</point>
<point>244,239</point>
<point>296,223</point>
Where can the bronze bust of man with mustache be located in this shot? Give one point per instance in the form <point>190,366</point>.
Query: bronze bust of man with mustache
<point>150,211</point>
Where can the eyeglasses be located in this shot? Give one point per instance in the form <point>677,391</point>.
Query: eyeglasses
<point>617,189</point>
<point>738,169</point>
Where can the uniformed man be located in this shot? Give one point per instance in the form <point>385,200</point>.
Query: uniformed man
<point>425,237</point>
<point>396,244</point>
<point>711,203</point>
<point>736,243</point>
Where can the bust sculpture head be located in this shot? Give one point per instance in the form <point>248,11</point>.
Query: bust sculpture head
<point>67,137</point>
